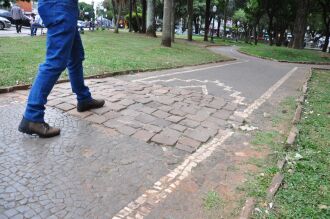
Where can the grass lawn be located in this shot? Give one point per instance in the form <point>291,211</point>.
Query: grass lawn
<point>306,192</point>
<point>273,52</point>
<point>106,52</point>
<point>286,54</point>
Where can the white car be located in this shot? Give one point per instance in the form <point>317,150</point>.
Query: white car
<point>4,23</point>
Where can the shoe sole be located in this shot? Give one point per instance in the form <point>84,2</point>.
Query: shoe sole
<point>23,130</point>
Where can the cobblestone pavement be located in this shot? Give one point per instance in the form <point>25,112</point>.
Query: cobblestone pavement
<point>106,157</point>
<point>152,113</point>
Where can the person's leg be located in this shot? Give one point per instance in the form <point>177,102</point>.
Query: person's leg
<point>16,25</point>
<point>61,26</point>
<point>20,22</point>
<point>75,69</point>
<point>32,29</point>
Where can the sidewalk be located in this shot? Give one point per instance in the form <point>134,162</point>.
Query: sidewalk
<point>25,32</point>
<point>103,158</point>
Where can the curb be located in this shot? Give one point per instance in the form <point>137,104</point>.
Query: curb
<point>283,61</point>
<point>108,74</point>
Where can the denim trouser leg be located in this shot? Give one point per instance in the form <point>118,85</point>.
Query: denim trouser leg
<point>60,17</point>
<point>75,69</point>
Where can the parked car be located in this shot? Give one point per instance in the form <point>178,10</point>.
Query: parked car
<point>7,15</point>
<point>4,23</point>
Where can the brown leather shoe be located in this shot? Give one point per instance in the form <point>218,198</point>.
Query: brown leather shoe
<point>90,104</point>
<point>42,129</point>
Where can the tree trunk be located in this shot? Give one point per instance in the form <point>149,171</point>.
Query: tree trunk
<point>137,17</point>
<point>207,20</point>
<point>300,24</point>
<point>144,17</point>
<point>326,22</point>
<point>130,14</point>
<point>118,18</point>
<point>219,24</point>
<point>173,21</point>
<point>196,25</point>
<point>225,19</point>
<point>270,29</point>
<point>166,35</point>
<point>326,43</point>
<point>190,19</point>
<point>255,34</point>
<point>151,29</point>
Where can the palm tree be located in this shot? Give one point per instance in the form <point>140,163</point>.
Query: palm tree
<point>166,35</point>
<point>151,29</point>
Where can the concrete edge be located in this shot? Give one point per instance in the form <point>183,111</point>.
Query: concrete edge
<point>283,61</point>
<point>111,74</point>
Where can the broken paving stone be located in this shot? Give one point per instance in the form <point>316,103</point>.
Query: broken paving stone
<point>167,137</point>
<point>143,135</point>
<point>199,134</point>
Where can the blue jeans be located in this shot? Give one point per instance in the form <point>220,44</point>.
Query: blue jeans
<point>34,28</point>
<point>64,50</point>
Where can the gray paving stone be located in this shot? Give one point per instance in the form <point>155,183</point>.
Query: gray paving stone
<point>147,110</point>
<point>178,112</point>
<point>222,114</point>
<point>65,106</point>
<point>152,128</point>
<point>18,216</point>
<point>117,107</point>
<point>175,119</point>
<point>96,119</point>
<point>165,108</point>
<point>102,110</point>
<point>143,135</point>
<point>111,115</point>
<point>145,118</point>
<point>178,127</point>
<point>161,114</point>
<point>162,123</point>
<point>167,137</point>
<point>126,130</point>
<point>217,103</point>
<point>10,212</point>
<point>189,123</point>
<point>199,134</point>
<point>29,214</point>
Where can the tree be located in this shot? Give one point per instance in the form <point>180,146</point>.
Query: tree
<point>300,24</point>
<point>254,11</point>
<point>144,12</point>
<point>240,16</point>
<point>84,7</point>
<point>166,35</point>
<point>225,13</point>
<point>190,18</point>
<point>207,19</point>
<point>119,4</point>
<point>151,24</point>
<point>326,22</point>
